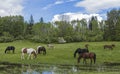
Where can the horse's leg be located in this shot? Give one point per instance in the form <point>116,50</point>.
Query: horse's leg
<point>22,56</point>
<point>44,53</point>
<point>29,56</point>
<point>84,61</point>
<point>91,60</point>
<point>111,48</point>
<point>78,61</point>
<point>13,50</point>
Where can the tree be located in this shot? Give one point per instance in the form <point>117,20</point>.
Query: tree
<point>31,23</point>
<point>112,31</point>
<point>41,20</point>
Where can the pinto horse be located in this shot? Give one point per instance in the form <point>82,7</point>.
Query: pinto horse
<point>41,49</point>
<point>109,46</point>
<point>87,55</point>
<point>10,48</point>
<point>28,51</point>
<point>79,51</point>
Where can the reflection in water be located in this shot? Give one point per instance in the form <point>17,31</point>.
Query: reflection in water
<point>48,70</point>
<point>55,69</point>
<point>30,70</point>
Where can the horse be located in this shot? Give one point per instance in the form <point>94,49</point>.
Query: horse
<point>86,46</point>
<point>41,49</point>
<point>28,51</point>
<point>50,46</point>
<point>87,55</point>
<point>109,46</point>
<point>79,50</point>
<point>10,48</point>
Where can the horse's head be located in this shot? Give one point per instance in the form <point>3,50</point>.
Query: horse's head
<point>78,50</point>
<point>86,46</point>
<point>34,53</point>
<point>24,50</point>
<point>113,45</point>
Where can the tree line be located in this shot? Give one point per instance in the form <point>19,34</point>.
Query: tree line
<point>16,28</point>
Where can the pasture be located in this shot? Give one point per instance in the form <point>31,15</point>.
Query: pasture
<point>62,54</point>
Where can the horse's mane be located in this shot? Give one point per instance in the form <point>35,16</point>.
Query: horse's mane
<point>44,50</point>
<point>79,51</point>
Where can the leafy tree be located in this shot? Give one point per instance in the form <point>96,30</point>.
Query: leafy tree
<point>41,20</point>
<point>112,25</point>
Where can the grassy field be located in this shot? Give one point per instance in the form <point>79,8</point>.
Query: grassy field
<point>61,54</point>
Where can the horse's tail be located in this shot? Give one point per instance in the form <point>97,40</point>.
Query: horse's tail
<point>75,53</point>
<point>94,58</point>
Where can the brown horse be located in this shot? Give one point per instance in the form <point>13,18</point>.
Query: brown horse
<point>109,46</point>
<point>87,55</point>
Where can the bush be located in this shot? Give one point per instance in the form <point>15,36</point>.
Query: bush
<point>19,37</point>
<point>77,38</point>
<point>6,39</point>
<point>68,38</point>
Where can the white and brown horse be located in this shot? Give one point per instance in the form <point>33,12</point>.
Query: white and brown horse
<point>30,52</point>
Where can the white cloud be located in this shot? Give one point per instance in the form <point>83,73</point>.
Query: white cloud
<point>98,5</point>
<point>75,16</point>
<point>10,7</point>
<point>57,3</point>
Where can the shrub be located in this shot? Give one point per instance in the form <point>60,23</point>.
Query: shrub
<point>6,39</point>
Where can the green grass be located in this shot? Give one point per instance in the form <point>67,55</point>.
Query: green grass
<point>61,54</point>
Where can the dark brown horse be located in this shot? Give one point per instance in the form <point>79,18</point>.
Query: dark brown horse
<point>109,46</point>
<point>41,49</point>
<point>87,55</point>
<point>79,50</point>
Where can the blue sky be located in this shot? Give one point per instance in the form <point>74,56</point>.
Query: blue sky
<point>47,8</point>
<point>53,9</point>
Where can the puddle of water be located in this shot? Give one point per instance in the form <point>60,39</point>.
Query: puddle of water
<point>55,69</point>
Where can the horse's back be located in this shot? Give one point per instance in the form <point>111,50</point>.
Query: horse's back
<point>39,47</point>
<point>10,48</point>
<point>30,50</point>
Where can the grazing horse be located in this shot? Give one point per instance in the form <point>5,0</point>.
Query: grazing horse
<point>50,46</point>
<point>79,50</point>
<point>28,51</point>
<point>109,46</point>
<point>41,49</point>
<point>87,55</point>
<point>9,48</point>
